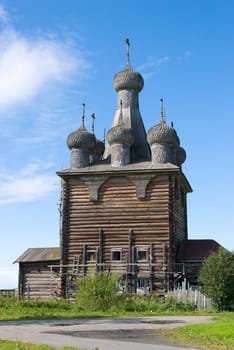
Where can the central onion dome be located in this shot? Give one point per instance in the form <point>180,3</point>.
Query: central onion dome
<point>128,79</point>
<point>81,138</point>
<point>163,134</point>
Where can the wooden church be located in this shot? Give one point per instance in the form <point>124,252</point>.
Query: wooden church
<point>123,207</point>
<point>124,203</point>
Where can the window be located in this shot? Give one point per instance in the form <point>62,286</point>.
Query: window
<point>142,254</point>
<point>143,282</point>
<point>91,256</point>
<point>116,254</point>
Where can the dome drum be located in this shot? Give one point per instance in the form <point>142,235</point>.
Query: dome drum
<point>79,158</point>
<point>120,154</point>
<point>163,153</point>
<point>128,98</point>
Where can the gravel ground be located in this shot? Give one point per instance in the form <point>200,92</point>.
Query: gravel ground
<point>105,333</point>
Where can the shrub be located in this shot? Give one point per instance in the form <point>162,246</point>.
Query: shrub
<point>217,279</point>
<point>97,292</point>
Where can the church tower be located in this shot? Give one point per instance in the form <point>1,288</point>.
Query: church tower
<point>124,203</point>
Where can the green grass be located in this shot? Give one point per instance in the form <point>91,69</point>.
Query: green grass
<point>218,335</point>
<point>15,345</point>
<point>127,306</point>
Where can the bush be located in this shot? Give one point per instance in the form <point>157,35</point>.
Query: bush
<point>100,292</point>
<point>97,292</point>
<point>217,279</point>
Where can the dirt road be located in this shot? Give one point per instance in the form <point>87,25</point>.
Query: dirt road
<point>105,333</point>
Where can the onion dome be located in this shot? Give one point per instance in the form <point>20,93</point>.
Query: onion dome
<point>120,133</point>
<point>163,133</point>
<point>128,79</point>
<point>81,138</point>
<point>99,148</point>
<point>180,156</point>
<point>99,145</point>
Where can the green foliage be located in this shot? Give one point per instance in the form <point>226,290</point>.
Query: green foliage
<point>15,345</point>
<point>215,335</point>
<point>217,279</point>
<point>115,305</point>
<point>37,309</point>
<point>149,304</point>
<point>98,291</point>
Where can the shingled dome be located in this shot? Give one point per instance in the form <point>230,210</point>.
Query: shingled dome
<point>128,80</point>
<point>99,147</point>
<point>163,134</point>
<point>180,156</point>
<point>81,138</point>
<point>120,134</point>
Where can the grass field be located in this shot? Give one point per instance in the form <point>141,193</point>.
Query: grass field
<point>218,335</point>
<point>12,345</point>
<point>16,310</point>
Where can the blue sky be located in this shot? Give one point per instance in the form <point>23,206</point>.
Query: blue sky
<point>57,54</point>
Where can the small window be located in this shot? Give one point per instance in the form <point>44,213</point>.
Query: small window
<point>116,255</point>
<point>143,282</point>
<point>91,255</point>
<point>142,254</point>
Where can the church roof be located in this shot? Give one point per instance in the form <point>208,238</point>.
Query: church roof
<point>196,249</point>
<point>138,167</point>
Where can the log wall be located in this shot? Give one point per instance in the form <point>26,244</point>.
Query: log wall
<point>144,231</point>
<point>38,281</point>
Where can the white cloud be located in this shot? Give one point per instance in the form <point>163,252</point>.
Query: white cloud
<point>29,184</point>
<point>183,57</point>
<point>27,65</point>
<point>151,66</point>
<point>4,18</point>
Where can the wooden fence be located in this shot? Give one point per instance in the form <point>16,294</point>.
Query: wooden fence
<point>191,296</point>
<point>8,293</point>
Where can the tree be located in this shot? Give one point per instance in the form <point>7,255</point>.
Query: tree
<point>217,279</point>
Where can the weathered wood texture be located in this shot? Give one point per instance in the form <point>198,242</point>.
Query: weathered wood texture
<point>156,224</point>
<point>38,281</point>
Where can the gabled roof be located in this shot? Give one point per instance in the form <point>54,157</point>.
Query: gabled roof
<point>196,249</point>
<point>39,254</point>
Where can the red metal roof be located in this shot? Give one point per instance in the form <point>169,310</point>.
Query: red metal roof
<point>196,249</point>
